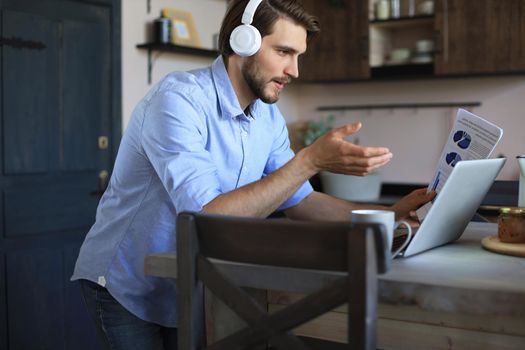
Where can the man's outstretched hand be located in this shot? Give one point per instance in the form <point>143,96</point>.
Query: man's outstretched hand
<point>331,152</point>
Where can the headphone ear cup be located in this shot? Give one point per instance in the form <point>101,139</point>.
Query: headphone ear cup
<point>245,40</point>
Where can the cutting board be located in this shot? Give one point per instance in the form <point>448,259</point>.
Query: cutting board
<point>493,244</point>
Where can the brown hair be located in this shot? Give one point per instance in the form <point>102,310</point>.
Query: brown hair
<point>268,12</point>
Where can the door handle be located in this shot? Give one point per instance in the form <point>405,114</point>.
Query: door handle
<point>103,182</point>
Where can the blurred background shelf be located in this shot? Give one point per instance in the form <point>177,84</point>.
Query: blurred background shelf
<point>173,48</point>
<point>403,22</point>
<point>410,70</point>
<point>197,51</point>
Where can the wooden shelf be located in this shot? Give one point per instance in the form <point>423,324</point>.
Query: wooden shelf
<point>403,22</point>
<point>468,104</point>
<point>402,71</point>
<point>187,50</point>
<point>197,51</point>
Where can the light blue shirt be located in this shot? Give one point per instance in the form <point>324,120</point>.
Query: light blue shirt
<point>187,142</point>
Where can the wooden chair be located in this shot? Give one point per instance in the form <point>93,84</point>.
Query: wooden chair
<point>356,249</point>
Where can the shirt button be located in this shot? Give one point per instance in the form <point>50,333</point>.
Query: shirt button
<point>244,133</point>
<point>245,168</point>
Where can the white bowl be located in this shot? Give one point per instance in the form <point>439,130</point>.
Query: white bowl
<point>422,59</point>
<point>352,188</point>
<point>400,55</point>
<point>424,46</point>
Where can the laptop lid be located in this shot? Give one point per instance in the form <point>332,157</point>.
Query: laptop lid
<point>455,204</point>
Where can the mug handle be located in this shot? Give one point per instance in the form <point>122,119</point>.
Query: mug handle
<point>407,239</point>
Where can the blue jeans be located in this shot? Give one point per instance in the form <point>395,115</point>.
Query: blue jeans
<point>118,328</point>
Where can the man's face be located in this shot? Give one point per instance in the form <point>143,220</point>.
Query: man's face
<point>275,64</point>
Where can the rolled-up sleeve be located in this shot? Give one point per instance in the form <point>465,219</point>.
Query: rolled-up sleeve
<point>174,137</point>
<point>280,155</point>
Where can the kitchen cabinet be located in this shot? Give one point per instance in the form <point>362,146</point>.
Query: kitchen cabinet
<point>340,51</point>
<point>479,37</point>
<point>349,45</point>
<point>470,38</point>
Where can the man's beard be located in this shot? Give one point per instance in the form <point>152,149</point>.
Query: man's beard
<point>251,74</point>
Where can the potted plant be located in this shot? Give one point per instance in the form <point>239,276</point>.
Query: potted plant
<point>354,188</point>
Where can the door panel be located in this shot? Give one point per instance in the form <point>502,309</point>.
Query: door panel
<point>86,79</point>
<point>37,211</point>
<point>30,88</point>
<point>35,294</point>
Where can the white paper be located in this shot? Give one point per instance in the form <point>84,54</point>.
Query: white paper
<point>472,137</point>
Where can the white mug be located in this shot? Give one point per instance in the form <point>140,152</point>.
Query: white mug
<point>387,218</point>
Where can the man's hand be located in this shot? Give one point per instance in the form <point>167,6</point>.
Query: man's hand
<point>332,153</point>
<point>405,208</point>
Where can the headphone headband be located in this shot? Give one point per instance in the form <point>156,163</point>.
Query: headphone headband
<point>249,11</point>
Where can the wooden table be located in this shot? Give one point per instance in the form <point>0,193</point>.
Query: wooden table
<point>458,296</point>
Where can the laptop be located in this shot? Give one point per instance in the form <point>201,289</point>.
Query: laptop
<point>455,204</point>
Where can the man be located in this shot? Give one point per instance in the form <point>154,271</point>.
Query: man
<point>209,140</point>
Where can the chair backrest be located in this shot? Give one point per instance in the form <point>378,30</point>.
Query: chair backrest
<point>358,249</point>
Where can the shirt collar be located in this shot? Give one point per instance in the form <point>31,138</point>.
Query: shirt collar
<point>228,101</point>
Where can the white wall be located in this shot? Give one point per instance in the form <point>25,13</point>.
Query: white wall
<point>136,29</point>
<point>416,137</point>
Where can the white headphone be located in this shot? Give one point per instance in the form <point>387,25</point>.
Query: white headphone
<point>245,39</point>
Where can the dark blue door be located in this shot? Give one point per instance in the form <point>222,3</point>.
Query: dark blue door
<point>58,95</point>
<point>3,306</point>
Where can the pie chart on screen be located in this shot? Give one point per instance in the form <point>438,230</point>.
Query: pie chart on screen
<point>462,139</point>
<point>452,158</point>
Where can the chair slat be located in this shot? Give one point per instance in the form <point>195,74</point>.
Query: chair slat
<point>277,242</point>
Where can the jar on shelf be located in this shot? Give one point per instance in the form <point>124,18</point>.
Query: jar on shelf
<point>382,8</point>
<point>426,7</point>
<point>411,10</point>
<point>162,29</point>
<point>395,8</point>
